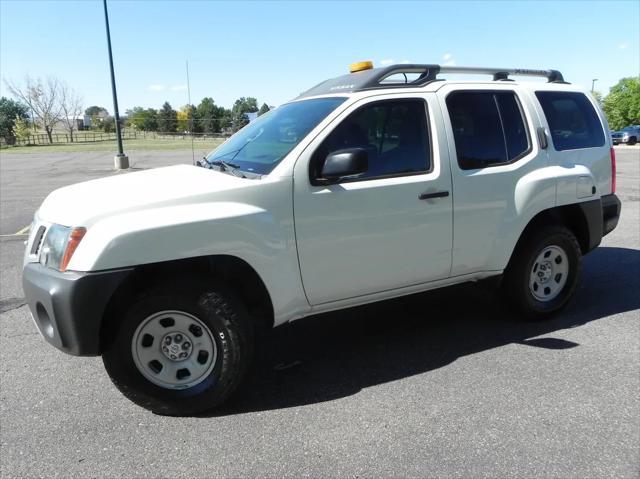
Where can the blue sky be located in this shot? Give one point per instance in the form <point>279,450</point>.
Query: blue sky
<point>275,50</point>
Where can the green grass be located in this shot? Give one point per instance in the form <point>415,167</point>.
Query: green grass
<point>137,144</point>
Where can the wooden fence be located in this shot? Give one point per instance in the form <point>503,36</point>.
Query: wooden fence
<point>97,136</point>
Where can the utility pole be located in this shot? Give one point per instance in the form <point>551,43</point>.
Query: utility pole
<point>593,82</point>
<point>193,155</point>
<point>120,161</point>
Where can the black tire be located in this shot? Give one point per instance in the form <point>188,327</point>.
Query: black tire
<point>516,280</point>
<point>632,141</point>
<point>230,326</point>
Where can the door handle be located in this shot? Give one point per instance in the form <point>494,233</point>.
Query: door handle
<point>542,138</point>
<point>437,194</point>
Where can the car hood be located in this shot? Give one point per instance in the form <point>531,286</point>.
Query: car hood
<point>84,203</point>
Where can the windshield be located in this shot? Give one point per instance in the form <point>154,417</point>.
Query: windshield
<point>264,142</point>
<point>628,128</point>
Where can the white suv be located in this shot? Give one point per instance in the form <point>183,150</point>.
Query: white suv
<point>380,183</point>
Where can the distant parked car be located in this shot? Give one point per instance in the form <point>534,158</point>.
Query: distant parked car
<point>629,135</point>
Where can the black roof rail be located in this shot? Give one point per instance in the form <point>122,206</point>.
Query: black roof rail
<point>427,75</point>
<point>552,76</point>
<point>374,78</point>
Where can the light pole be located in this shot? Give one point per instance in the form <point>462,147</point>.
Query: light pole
<point>120,161</point>
<point>593,82</point>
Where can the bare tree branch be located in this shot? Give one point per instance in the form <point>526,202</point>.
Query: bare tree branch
<point>43,98</point>
<point>71,106</point>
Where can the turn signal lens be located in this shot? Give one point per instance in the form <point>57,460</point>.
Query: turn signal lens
<point>360,66</point>
<point>613,170</point>
<point>75,237</point>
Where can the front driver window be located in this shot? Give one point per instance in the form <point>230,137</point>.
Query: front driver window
<point>394,133</point>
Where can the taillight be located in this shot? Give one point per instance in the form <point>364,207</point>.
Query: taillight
<point>74,240</point>
<point>613,170</point>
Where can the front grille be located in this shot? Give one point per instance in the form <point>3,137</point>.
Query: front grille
<point>37,240</point>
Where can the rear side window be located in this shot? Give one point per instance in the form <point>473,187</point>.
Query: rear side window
<point>572,120</point>
<point>488,128</point>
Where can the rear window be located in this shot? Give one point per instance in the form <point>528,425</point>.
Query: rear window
<point>572,120</point>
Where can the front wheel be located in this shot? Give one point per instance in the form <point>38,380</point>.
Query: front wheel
<point>543,272</point>
<point>181,351</point>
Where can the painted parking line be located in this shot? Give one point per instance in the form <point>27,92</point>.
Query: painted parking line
<point>23,232</point>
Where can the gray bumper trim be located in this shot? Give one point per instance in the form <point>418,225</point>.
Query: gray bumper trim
<point>611,208</point>
<point>68,307</point>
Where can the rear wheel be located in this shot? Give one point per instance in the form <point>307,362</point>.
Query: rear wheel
<point>181,351</point>
<point>543,273</point>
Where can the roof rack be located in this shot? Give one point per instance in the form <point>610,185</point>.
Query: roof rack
<point>552,76</point>
<point>375,78</point>
<point>427,74</point>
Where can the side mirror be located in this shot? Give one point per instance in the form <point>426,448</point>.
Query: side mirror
<point>342,163</point>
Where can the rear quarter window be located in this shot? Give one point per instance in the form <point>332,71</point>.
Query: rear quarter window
<point>573,122</point>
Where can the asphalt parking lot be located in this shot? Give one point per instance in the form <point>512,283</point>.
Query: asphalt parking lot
<point>443,384</point>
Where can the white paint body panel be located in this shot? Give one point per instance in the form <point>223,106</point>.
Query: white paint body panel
<point>363,237</point>
<point>493,205</point>
<point>183,212</point>
<point>323,248</point>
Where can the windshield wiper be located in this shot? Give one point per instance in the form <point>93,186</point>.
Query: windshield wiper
<point>224,165</point>
<point>227,166</point>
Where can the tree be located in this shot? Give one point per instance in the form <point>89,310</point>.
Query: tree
<point>71,105</point>
<point>622,104</point>
<point>21,129</point>
<point>109,124</point>
<point>42,98</point>
<point>141,119</point>
<point>206,115</point>
<point>96,111</point>
<point>134,117</point>
<point>167,118</point>
<point>263,109</point>
<point>185,117</point>
<point>241,107</point>
<point>97,115</point>
<point>150,119</point>
<point>9,111</point>
<point>224,119</point>
<point>211,118</point>
<point>598,96</point>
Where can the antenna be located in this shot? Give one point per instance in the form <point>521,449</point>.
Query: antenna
<point>193,154</point>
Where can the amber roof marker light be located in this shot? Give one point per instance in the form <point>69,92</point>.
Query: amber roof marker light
<point>360,66</point>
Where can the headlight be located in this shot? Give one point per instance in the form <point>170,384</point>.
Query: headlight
<point>59,245</point>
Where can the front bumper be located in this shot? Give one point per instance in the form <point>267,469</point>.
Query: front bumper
<point>68,307</point>
<point>617,141</point>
